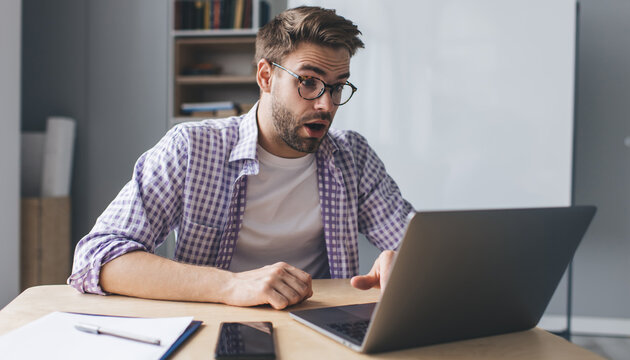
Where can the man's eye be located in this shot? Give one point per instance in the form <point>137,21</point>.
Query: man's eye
<point>309,82</point>
<point>338,89</point>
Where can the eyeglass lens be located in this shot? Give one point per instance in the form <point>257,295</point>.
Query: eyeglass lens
<point>312,88</point>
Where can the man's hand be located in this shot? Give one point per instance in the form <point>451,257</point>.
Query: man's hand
<point>378,276</point>
<point>279,285</point>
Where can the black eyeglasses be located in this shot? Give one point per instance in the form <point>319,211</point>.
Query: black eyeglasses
<point>310,88</point>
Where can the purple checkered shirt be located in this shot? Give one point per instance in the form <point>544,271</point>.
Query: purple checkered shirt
<point>194,182</point>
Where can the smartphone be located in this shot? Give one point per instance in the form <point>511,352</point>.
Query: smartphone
<point>245,340</point>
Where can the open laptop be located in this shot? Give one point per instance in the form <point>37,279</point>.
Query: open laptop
<point>460,275</point>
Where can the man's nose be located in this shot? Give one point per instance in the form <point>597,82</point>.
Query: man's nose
<point>324,102</point>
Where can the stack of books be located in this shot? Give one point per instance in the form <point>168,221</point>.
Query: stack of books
<point>217,14</point>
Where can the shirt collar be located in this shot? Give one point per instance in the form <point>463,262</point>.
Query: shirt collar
<point>247,137</point>
<point>328,146</point>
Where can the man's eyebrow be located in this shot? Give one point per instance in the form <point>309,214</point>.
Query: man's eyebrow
<point>321,72</point>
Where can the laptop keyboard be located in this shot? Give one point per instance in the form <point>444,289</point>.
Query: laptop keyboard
<point>355,329</point>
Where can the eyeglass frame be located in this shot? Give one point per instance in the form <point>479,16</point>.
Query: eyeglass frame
<point>331,87</point>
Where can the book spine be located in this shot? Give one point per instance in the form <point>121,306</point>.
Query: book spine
<point>225,14</point>
<point>232,14</point>
<point>198,11</point>
<point>247,18</point>
<point>206,14</point>
<point>177,16</point>
<point>216,22</point>
<point>187,15</point>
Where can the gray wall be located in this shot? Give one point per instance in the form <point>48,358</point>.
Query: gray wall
<point>10,19</point>
<point>54,62</point>
<point>103,63</point>
<point>602,168</point>
<point>126,98</point>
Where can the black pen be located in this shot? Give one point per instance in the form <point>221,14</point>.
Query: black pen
<point>95,329</point>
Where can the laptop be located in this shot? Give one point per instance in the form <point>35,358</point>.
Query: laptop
<point>461,275</point>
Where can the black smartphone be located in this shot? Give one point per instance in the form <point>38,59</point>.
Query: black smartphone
<point>245,340</point>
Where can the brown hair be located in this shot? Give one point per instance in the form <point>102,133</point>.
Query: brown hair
<point>311,24</point>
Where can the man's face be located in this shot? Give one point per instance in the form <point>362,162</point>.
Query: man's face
<point>301,124</point>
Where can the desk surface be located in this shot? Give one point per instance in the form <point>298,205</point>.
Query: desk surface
<point>293,340</point>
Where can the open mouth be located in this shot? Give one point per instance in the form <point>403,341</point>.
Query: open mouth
<point>315,126</point>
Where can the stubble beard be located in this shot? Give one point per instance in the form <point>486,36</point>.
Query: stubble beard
<point>287,128</point>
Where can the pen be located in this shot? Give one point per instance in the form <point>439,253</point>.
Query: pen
<point>95,329</point>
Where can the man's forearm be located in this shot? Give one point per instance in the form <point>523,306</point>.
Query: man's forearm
<point>146,275</point>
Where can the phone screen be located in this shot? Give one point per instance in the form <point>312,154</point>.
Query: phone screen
<point>245,340</point>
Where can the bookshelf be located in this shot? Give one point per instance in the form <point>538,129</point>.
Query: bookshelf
<point>211,54</point>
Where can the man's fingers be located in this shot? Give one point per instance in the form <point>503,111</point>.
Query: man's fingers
<point>287,286</point>
<point>368,281</point>
<point>295,278</point>
<point>358,282</point>
<point>378,275</point>
<point>386,260</point>
<point>277,300</point>
<point>301,275</point>
<point>289,292</point>
<point>277,294</point>
<point>364,282</point>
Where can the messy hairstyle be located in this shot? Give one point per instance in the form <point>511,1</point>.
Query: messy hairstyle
<point>316,25</point>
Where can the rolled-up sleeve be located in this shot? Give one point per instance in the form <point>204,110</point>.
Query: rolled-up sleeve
<point>140,217</point>
<point>383,212</point>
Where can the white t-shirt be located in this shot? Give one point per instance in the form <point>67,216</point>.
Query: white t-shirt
<point>282,220</point>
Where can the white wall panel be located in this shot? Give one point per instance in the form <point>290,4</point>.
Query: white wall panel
<point>468,103</point>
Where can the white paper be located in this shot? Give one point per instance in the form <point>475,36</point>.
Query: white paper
<point>58,151</point>
<point>31,163</point>
<point>55,337</point>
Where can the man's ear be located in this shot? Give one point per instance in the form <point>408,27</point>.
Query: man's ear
<point>263,75</point>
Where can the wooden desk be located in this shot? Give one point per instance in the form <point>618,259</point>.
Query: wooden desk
<point>293,340</point>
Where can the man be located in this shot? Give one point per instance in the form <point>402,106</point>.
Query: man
<point>260,203</point>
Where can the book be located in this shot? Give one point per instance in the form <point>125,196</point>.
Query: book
<point>216,12</point>
<point>215,114</point>
<point>206,14</point>
<point>188,15</point>
<point>198,14</point>
<point>208,106</point>
<point>178,17</point>
<point>225,14</point>
<point>238,14</point>
<point>247,17</point>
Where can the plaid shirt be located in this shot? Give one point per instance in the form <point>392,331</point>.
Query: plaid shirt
<point>194,181</point>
